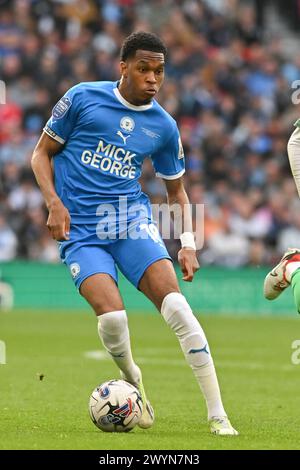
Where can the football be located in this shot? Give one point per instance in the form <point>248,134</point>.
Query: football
<point>115,406</point>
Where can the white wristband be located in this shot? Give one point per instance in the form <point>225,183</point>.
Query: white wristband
<point>187,240</point>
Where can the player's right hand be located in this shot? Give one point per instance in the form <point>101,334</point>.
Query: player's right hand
<point>59,221</point>
<point>189,264</point>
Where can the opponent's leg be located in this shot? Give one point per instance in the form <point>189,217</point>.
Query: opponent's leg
<point>287,271</point>
<point>293,149</point>
<point>295,282</point>
<point>103,295</point>
<point>279,278</point>
<point>159,284</point>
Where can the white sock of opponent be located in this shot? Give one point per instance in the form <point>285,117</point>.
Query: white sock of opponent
<point>179,316</point>
<point>114,334</point>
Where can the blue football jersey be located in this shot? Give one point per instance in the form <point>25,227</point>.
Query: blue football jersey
<point>105,140</point>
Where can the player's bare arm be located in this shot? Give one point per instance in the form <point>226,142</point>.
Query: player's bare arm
<point>187,255</point>
<point>59,218</point>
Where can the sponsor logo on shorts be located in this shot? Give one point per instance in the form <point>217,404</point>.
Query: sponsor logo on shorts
<point>75,269</point>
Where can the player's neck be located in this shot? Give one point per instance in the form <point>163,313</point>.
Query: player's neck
<point>128,96</point>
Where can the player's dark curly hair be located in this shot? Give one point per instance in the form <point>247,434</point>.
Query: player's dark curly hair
<point>143,41</point>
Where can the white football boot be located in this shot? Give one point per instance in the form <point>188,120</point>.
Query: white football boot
<point>221,426</point>
<point>147,417</point>
<point>275,281</point>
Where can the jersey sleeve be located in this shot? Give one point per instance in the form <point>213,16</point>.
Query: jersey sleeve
<point>64,116</point>
<point>168,161</point>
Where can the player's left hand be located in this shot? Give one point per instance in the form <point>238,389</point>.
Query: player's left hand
<point>188,263</point>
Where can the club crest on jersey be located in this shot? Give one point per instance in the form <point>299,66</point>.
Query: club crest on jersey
<point>127,124</point>
<point>61,107</point>
<point>75,269</point>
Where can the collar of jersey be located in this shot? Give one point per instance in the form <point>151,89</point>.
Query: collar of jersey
<point>129,105</point>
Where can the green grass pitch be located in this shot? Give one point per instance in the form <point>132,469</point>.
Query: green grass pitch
<point>252,355</point>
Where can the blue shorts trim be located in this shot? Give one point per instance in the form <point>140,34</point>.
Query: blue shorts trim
<point>136,283</point>
<point>83,278</point>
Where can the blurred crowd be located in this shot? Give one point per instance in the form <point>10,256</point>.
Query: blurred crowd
<point>228,84</point>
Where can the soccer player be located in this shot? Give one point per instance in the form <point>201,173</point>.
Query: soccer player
<point>287,271</point>
<point>97,137</point>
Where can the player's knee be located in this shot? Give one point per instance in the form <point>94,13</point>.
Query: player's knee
<point>113,331</point>
<point>113,322</point>
<point>164,292</point>
<point>176,311</point>
<point>102,308</point>
<point>172,302</point>
<point>102,304</point>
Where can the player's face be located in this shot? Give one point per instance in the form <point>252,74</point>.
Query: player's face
<point>143,76</point>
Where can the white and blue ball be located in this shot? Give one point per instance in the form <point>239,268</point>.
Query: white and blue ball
<point>115,406</point>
